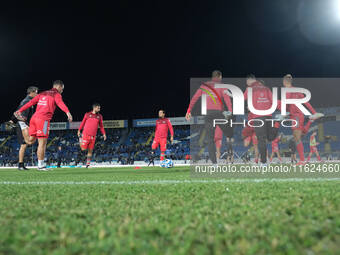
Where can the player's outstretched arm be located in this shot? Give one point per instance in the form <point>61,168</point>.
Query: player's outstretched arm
<point>193,101</point>
<point>59,101</point>
<point>227,100</point>
<point>188,116</point>
<point>29,104</point>
<point>82,124</point>
<point>69,117</point>
<point>171,131</point>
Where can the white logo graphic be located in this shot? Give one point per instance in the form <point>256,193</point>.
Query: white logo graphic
<point>238,100</point>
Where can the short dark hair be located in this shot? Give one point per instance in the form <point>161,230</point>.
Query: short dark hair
<point>288,77</point>
<point>58,82</point>
<point>216,74</point>
<point>32,89</point>
<point>251,76</point>
<point>95,105</point>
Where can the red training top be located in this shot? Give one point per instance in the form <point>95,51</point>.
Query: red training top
<point>90,124</point>
<point>162,127</point>
<point>262,98</point>
<point>47,102</point>
<point>211,104</point>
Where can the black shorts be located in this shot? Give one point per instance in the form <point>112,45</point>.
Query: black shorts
<point>20,137</point>
<point>227,130</point>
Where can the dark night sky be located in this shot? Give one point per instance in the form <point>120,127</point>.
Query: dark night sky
<point>137,57</point>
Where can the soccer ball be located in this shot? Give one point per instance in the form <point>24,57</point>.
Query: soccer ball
<point>167,163</point>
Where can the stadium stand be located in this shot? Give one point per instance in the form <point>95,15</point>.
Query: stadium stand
<point>126,145</point>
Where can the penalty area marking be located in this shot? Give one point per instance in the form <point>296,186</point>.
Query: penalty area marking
<point>162,182</point>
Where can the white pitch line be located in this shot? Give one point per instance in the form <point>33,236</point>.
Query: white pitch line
<point>159,182</point>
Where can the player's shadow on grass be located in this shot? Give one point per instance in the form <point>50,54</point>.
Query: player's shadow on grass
<point>139,171</point>
<point>163,171</point>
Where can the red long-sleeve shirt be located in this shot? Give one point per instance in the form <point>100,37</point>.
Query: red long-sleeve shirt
<point>262,98</point>
<point>293,109</point>
<point>211,105</point>
<point>162,128</point>
<point>46,103</point>
<point>90,124</point>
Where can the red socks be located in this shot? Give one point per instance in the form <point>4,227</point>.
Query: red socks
<point>88,161</point>
<point>162,156</point>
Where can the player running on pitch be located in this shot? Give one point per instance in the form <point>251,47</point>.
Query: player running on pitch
<point>163,125</point>
<point>296,114</point>
<point>22,126</point>
<point>313,148</point>
<point>91,121</point>
<point>275,148</point>
<point>39,127</point>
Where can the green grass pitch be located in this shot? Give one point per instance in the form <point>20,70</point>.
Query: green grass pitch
<point>164,211</point>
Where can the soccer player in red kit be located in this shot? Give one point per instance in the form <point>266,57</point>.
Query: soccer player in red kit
<point>312,146</point>
<point>163,125</point>
<point>40,122</point>
<point>91,121</point>
<point>262,100</point>
<point>275,148</point>
<point>296,114</point>
<point>216,109</point>
<point>218,141</point>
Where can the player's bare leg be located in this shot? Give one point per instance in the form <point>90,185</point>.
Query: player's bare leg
<point>23,149</point>
<point>299,145</point>
<point>279,156</point>
<point>21,156</point>
<point>22,153</point>
<point>42,142</point>
<point>271,157</point>
<point>256,149</point>
<point>162,157</point>
<point>29,140</point>
<point>268,155</point>
<point>246,142</point>
<point>89,157</point>
<point>218,152</point>
<point>318,155</point>
<point>309,156</point>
